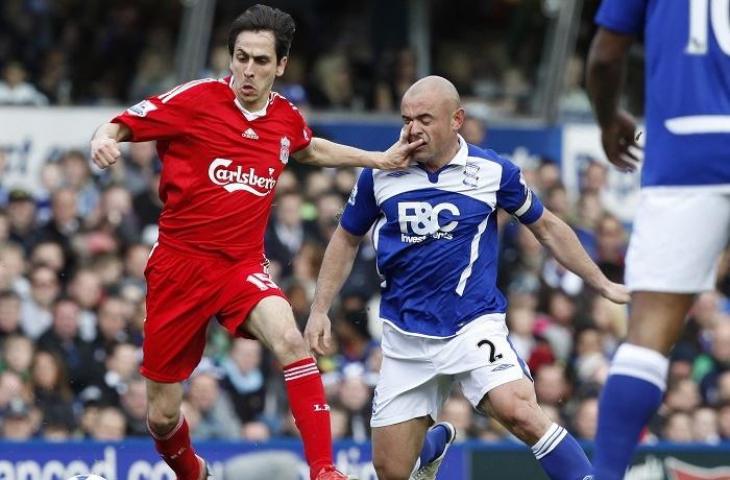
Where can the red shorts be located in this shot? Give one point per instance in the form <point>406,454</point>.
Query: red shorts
<point>183,293</point>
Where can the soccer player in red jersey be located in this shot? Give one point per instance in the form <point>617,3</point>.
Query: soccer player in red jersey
<point>223,144</point>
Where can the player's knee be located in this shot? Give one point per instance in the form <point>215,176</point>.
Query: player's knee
<point>290,346</point>
<point>526,421</point>
<point>162,422</point>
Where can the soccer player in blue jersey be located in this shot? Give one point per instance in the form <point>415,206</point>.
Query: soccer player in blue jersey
<point>683,217</point>
<point>434,229</point>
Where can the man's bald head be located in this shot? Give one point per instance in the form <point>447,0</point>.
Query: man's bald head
<point>435,87</point>
<point>432,110</point>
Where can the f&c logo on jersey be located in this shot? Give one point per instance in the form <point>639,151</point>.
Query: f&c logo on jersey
<point>236,179</point>
<point>422,219</point>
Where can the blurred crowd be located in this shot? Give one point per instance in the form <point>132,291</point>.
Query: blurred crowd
<point>348,56</point>
<point>72,261</point>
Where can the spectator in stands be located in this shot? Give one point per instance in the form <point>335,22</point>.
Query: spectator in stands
<point>132,287</point>
<point>121,367</point>
<point>705,426</point>
<point>338,422</point>
<point>36,314</point>
<point>134,406</point>
<point>551,385</point>
<point>218,419</point>
<point>244,379</point>
<point>50,385</point>
<point>62,339</point>
<point>678,428</point>
<point>13,274</point>
<point>10,308</point>
<point>19,421</point>
<point>257,431</point>
<point>77,176</point>
<point>48,254</point>
<point>63,225</point>
<point>117,216</point>
<point>22,215</point>
<point>333,87</point>
<point>458,411</point>
<point>611,247</point>
<point>474,130</point>
<point>682,396</point>
<point>139,167</point>
<point>398,72</point>
<point>86,290</point>
<point>17,354</point>
<point>355,399</point>
<point>585,420</point>
<point>110,425</point>
<point>287,231</point>
<point>14,90</point>
<point>147,204</point>
<point>709,367</point>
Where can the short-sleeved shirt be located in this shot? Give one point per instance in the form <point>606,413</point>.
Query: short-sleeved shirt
<point>436,239</point>
<point>220,164</point>
<point>687,87</point>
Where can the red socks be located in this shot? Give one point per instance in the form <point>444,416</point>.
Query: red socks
<point>176,450</point>
<point>311,412</point>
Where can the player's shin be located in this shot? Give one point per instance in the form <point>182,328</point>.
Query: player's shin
<point>311,412</point>
<point>631,396</point>
<point>176,450</point>
<point>560,456</point>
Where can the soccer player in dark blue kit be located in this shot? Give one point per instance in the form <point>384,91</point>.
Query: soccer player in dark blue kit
<point>683,218</point>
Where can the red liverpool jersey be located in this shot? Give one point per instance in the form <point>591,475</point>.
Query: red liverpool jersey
<point>220,164</point>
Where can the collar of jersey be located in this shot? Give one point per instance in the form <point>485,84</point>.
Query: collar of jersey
<point>250,116</point>
<point>462,154</point>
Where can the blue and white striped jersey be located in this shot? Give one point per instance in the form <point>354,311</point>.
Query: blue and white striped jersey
<point>436,237</point>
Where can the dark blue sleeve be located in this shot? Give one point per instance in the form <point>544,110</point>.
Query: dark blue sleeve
<point>622,16</point>
<point>515,197</point>
<point>361,210</point>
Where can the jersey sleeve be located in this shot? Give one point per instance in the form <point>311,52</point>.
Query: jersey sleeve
<point>164,116</point>
<point>623,16</point>
<point>361,210</point>
<point>302,132</point>
<point>515,197</point>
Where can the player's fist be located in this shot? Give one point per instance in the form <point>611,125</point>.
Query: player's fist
<point>105,152</point>
<point>318,333</point>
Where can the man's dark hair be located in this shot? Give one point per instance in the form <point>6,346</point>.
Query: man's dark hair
<point>263,18</point>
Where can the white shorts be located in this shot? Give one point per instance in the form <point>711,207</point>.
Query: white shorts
<point>417,372</point>
<point>677,239</point>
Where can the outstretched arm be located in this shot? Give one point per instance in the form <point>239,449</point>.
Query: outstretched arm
<point>336,267</point>
<point>323,153</point>
<point>563,244</point>
<point>605,75</point>
<point>105,143</point>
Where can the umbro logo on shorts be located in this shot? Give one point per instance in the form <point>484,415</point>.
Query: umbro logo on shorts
<point>504,366</point>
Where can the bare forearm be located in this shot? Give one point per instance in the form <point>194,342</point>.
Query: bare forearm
<point>562,242</point>
<point>323,153</point>
<point>336,267</point>
<point>115,131</point>
<point>606,73</point>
